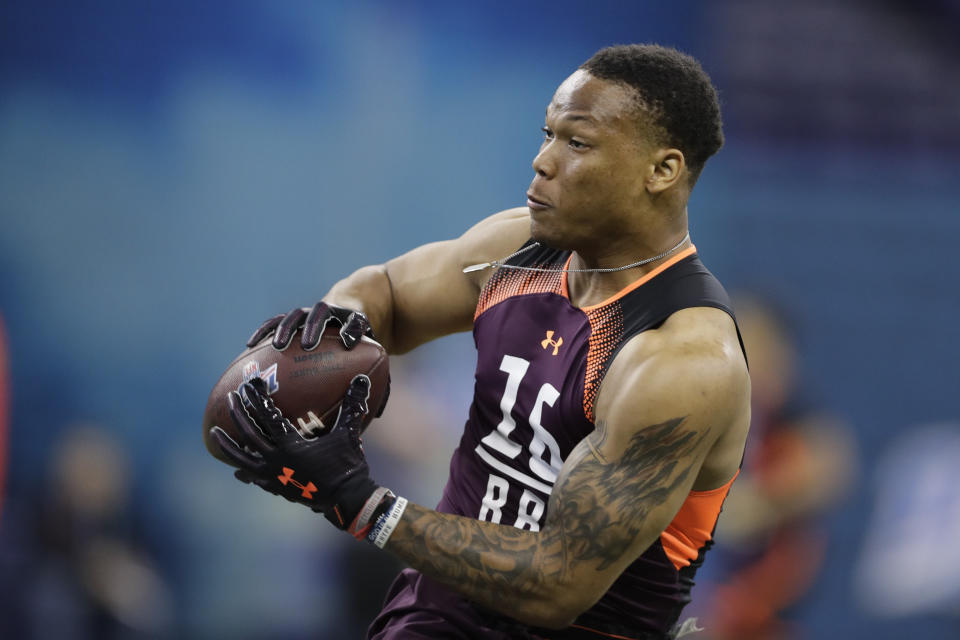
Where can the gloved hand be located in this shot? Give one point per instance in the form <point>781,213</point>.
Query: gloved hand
<point>326,472</point>
<point>353,325</point>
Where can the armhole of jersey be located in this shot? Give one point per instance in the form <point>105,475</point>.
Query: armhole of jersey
<point>693,526</point>
<point>598,364</point>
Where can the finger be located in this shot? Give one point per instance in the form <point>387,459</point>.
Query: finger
<point>234,452</point>
<point>250,478</point>
<point>243,476</point>
<point>354,404</point>
<point>267,484</point>
<point>287,327</point>
<point>264,330</point>
<point>253,435</point>
<point>354,328</point>
<point>314,326</point>
<point>262,410</point>
<point>261,386</point>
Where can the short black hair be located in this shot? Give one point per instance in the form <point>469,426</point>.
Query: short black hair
<point>674,93</point>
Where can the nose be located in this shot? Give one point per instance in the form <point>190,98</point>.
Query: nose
<point>543,163</point>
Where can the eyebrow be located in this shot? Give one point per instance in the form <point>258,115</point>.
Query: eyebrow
<point>575,117</point>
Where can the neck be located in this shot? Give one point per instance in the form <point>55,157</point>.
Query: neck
<point>591,287</point>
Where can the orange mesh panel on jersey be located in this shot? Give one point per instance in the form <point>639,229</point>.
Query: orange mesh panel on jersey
<point>507,282</point>
<point>606,331</point>
<point>606,327</point>
<point>693,525</point>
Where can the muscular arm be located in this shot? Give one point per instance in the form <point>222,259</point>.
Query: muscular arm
<point>424,293</point>
<point>661,411</point>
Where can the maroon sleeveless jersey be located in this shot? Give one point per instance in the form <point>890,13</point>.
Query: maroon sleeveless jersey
<point>540,362</point>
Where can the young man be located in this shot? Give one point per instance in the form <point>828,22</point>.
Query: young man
<point>612,393</point>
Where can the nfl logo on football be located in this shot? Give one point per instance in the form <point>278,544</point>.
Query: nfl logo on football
<point>251,370</point>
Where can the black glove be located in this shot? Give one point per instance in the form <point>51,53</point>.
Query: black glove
<point>353,325</point>
<point>327,473</point>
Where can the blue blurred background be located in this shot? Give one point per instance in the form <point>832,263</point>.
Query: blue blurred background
<point>172,173</point>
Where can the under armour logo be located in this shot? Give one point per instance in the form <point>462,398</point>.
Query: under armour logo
<point>550,341</point>
<point>287,478</point>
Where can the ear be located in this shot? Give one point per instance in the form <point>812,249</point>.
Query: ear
<point>669,166</point>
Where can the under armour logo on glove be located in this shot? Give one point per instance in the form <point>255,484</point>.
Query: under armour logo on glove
<point>307,490</point>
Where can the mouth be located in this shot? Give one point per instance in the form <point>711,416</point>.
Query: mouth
<point>536,203</point>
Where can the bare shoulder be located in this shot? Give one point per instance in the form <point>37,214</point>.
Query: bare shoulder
<point>693,348</point>
<point>430,295</point>
<point>702,333</point>
<point>493,238</point>
<point>690,367</point>
<point>501,221</point>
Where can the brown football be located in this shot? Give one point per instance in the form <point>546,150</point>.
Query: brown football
<point>307,386</point>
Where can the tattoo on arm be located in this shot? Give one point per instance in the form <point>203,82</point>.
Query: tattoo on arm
<point>596,513</point>
<point>602,507</point>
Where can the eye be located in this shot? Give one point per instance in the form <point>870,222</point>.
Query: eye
<point>576,144</point>
<point>547,133</point>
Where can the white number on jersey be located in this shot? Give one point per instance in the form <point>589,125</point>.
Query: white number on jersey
<point>544,460</point>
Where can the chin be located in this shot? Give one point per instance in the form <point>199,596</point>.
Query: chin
<point>546,234</point>
<point>549,237</point>
<point>543,236</point>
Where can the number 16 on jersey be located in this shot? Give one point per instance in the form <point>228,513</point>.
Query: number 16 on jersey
<point>543,457</point>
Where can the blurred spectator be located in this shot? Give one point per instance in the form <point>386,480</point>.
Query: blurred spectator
<point>799,461</point>
<point>909,563</point>
<point>73,566</point>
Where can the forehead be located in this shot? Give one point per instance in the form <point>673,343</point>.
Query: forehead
<point>585,97</point>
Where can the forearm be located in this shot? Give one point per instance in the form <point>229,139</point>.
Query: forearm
<point>368,290</point>
<point>514,572</point>
<point>410,300</point>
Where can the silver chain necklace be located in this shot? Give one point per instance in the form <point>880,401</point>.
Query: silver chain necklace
<point>496,264</point>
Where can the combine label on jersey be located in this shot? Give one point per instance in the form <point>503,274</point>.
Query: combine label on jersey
<point>251,370</point>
